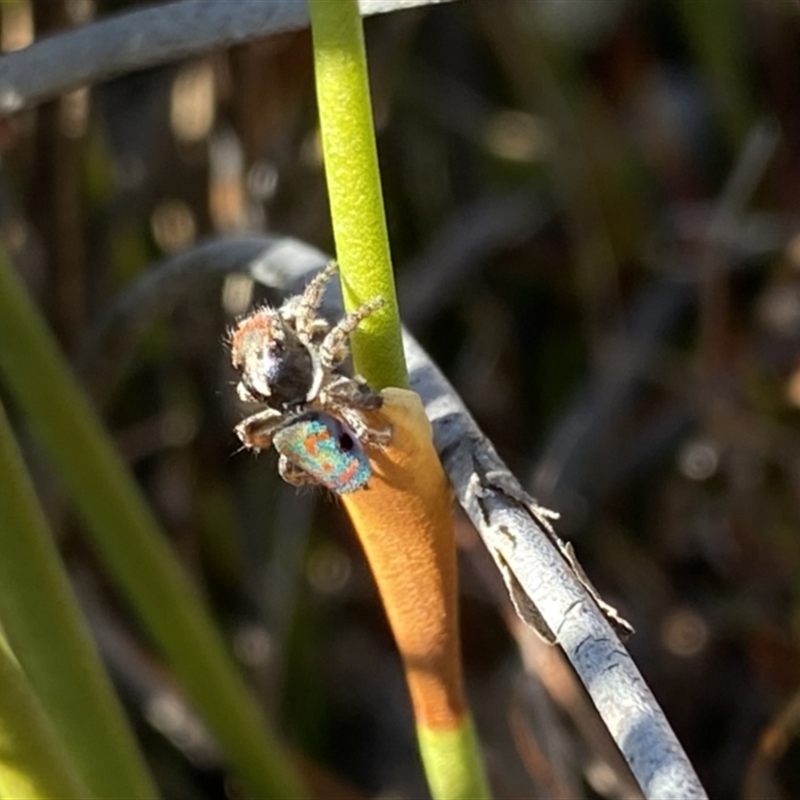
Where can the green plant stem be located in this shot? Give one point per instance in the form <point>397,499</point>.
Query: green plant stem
<point>127,538</point>
<point>34,763</point>
<point>452,763</point>
<point>354,188</point>
<point>44,628</point>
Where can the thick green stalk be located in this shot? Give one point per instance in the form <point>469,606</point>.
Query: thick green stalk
<point>34,763</point>
<point>354,188</point>
<point>127,538</point>
<point>44,628</point>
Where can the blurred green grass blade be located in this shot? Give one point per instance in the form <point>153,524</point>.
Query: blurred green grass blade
<point>44,628</point>
<point>34,763</point>
<point>126,536</point>
<point>354,189</point>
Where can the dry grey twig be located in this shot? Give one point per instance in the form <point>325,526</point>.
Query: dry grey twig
<point>148,37</point>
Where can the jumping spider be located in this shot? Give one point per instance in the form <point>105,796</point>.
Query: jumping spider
<point>290,361</point>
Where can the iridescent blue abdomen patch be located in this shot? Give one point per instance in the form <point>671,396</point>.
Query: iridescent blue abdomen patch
<point>326,450</point>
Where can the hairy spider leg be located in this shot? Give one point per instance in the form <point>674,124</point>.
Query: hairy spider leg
<point>292,473</point>
<point>302,309</point>
<point>366,434</point>
<point>346,399</point>
<point>334,348</point>
<point>256,431</point>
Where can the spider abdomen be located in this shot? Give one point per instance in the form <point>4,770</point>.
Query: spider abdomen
<point>325,450</point>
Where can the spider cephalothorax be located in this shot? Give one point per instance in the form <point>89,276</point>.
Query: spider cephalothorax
<point>290,362</point>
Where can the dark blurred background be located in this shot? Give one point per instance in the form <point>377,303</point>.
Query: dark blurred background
<point>593,209</point>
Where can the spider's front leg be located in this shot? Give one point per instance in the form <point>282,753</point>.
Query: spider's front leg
<point>302,309</point>
<point>256,431</point>
<point>334,349</point>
